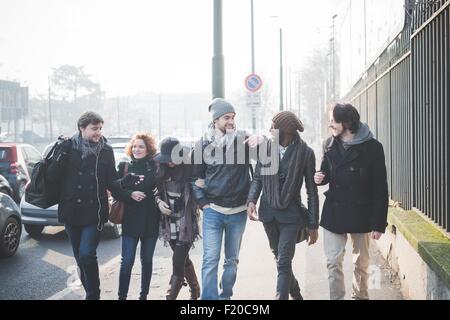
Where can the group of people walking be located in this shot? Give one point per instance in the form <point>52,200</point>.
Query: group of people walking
<point>166,193</point>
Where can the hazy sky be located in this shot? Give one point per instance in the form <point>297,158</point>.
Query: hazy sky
<point>154,45</point>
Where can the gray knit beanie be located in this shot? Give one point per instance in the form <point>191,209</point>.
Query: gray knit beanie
<point>220,107</point>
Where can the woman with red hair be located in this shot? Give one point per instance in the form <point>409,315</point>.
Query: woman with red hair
<point>141,215</point>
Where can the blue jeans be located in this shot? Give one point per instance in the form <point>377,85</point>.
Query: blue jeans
<point>129,245</point>
<point>215,227</point>
<point>84,242</point>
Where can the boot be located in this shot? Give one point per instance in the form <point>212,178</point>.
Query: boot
<point>175,283</point>
<point>294,289</point>
<point>191,278</point>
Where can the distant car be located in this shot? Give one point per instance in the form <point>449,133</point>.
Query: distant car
<point>119,152</point>
<point>16,163</point>
<point>36,219</point>
<point>10,226</point>
<point>118,139</point>
<point>188,141</point>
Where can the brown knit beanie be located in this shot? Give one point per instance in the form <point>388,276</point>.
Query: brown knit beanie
<point>288,122</point>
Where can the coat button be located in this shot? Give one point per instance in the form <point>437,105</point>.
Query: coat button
<point>80,173</point>
<point>91,202</point>
<point>80,187</point>
<point>92,173</point>
<point>79,201</point>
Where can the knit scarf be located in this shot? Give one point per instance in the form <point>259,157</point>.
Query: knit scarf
<point>280,198</point>
<point>87,147</point>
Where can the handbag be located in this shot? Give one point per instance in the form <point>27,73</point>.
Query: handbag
<point>117,208</point>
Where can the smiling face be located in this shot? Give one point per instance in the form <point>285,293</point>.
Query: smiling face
<point>139,149</point>
<point>93,132</point>
<point>226,122</point>
<point>337,129</point>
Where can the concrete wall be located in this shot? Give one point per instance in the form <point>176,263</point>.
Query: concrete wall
<point>418,281</point>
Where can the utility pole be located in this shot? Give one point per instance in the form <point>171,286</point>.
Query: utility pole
<point>281,71</point>
<point>253,59</point>
<point>118,115</point>
<point>159,116</point>
<point>299,84</point>
<point>50,108</point>
<point>333,61</point>
<point>218,68</point>
<point>365,35</point>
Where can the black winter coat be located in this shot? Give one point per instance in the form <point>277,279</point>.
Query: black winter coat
<point>79,200</point>
<point>141,219</point>
<point>295,213</point>
<point>357,199</point>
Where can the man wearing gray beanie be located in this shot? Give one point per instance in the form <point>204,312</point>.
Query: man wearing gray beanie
<point>221,190</point>
<point>220,107</point>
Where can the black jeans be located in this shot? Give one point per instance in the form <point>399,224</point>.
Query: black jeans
<point>84,242</point>
<point>282,241</point>
<point>180,258</point>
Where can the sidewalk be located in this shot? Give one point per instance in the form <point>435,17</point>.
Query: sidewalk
<point>256,279</point>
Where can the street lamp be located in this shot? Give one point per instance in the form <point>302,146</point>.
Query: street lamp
<point>218,76</point>
<point>253,59</point>
<point>281,67</point>
<point>333,61</point>
<point>50,107</point>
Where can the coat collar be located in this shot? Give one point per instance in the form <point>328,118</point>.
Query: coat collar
<point>351,155</point>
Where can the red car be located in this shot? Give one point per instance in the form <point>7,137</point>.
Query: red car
<point>16,163</point>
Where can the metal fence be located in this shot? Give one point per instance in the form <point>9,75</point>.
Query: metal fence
<point>404,99</point>
<point>430,88</point>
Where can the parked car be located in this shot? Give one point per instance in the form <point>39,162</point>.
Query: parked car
<point>119,152</point>
<point>36,219</point>
<point>10,226</point>
<point>16,163</point>
<point>5,187</point>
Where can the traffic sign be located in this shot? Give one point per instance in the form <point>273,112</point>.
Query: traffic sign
<point>253,83</point>
<point>254,99</point>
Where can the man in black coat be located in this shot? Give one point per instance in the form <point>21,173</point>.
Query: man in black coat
<point>84,172</point>
<point>357,200</point>
<point>281,209</point>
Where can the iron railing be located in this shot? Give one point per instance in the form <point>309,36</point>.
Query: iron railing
<point>404,98</point>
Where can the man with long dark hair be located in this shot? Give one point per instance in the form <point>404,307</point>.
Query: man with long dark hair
<point>357,200</point>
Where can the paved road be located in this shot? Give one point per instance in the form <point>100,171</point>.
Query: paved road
<point>257,272</point>
<point>39,268</point>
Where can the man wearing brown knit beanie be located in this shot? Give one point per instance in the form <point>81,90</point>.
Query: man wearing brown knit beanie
<point>286,221</point>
